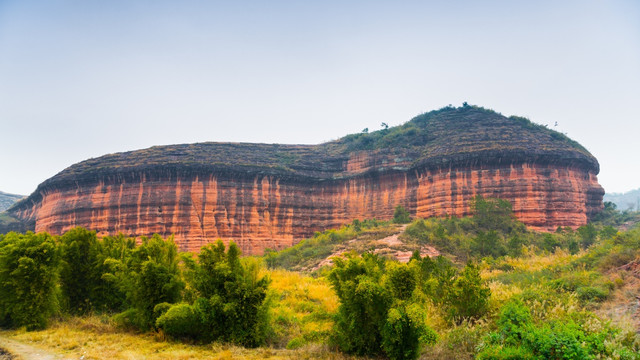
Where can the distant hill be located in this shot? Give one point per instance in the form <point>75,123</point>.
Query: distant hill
<point>6,200</point>
<point>624,201</point>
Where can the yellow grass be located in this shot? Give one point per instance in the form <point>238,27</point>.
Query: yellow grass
<point>300,298</point>
<point>500,293</point>
<point>539,262</point>
<point>96,338</point>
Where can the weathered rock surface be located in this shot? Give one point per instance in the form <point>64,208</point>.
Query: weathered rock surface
<point>270,196</point>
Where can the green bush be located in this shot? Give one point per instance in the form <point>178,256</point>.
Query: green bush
<point>29,268</point>
<point>377,313</point>
<point>468,297</point>
<point>494,214</point>
<point>488,244</point>
<point>364,304</point>
<point>401,215</point>
<point>78,277</point>
<point>149,276</point>
<point>295,343</point>
<point>180,321</point>
<point>588,234</point>
<point>231,303</point>
<point>401,280</point>
<point>112,255</point>
<point>400,336</point>
<point>499,352</point>
<point>161,309</point>
<point>558,340</point>
<point>405,331</point>
<point>592,293</point>
<point>131,319</point>
<point>514,320</point>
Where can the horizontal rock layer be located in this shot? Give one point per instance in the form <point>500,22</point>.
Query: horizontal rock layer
<point>271,196</point>
<point>263,211</point>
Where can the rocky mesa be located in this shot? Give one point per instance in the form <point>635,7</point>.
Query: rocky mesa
<point>270,195</point>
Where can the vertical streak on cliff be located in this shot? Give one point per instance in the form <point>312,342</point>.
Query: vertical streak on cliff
<point>139,204</point>
<point>118,227</point>
<point>265,211</point>
<point>210,218</point>
<point>175,228</point>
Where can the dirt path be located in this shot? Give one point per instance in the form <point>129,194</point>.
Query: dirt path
<point>21,351</point>
<point>389,246</point>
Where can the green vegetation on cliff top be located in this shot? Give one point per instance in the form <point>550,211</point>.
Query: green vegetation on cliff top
<point>449,136</point>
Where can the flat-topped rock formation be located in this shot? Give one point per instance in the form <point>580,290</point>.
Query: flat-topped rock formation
<point>270,195</point>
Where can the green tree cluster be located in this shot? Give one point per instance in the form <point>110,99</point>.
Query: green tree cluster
<point>230,300</point>
<point>148,286</point>
<point>148,276</point>
<point>28,279</point>
<point>463,295</point>
<point>401,215</point>
<point>381,309</point>
<point>520,337</point>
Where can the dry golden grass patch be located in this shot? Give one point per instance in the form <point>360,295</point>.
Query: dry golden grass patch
<point>623,305</point>
<point>298,301</point>
<point>535,262</point>
<point>96,338</point>
<point>304,306</point>
<point>500,293</point>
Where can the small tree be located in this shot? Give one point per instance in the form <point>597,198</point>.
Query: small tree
<point>488,244</point>
<point>401,280</point>
<point>77,276</point>
<point>231,302</point>
<point>112,255</point>
<point>401,215</point>
<point>364,304</point>
<point>29,268</point>
<point>468,298</point>
<point>514,245</point>
<point>588,234</point>
<point>405,331</point>
<point>493,214</point>
<point>149,277</point>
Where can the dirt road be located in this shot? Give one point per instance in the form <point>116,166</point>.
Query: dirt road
<point>21,351</point>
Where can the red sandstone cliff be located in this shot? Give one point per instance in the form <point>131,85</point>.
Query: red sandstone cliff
<point>270,196</point>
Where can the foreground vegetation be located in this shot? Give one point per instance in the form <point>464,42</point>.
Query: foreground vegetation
<point>499,292</point>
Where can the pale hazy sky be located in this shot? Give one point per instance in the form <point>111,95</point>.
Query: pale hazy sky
<point>79,79</point>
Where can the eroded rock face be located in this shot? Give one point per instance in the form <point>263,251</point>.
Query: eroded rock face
<point>271,196</point>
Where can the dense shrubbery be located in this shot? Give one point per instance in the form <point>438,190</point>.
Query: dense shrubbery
<point>401,215</point>
<point>493,231</point>
<point>79,248</point>
<point>76,273</point>
<point>380,311</point>
<point>577,337</point>
<point>230,300</point>
<point>148,277</point>
<point>28,279</point>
